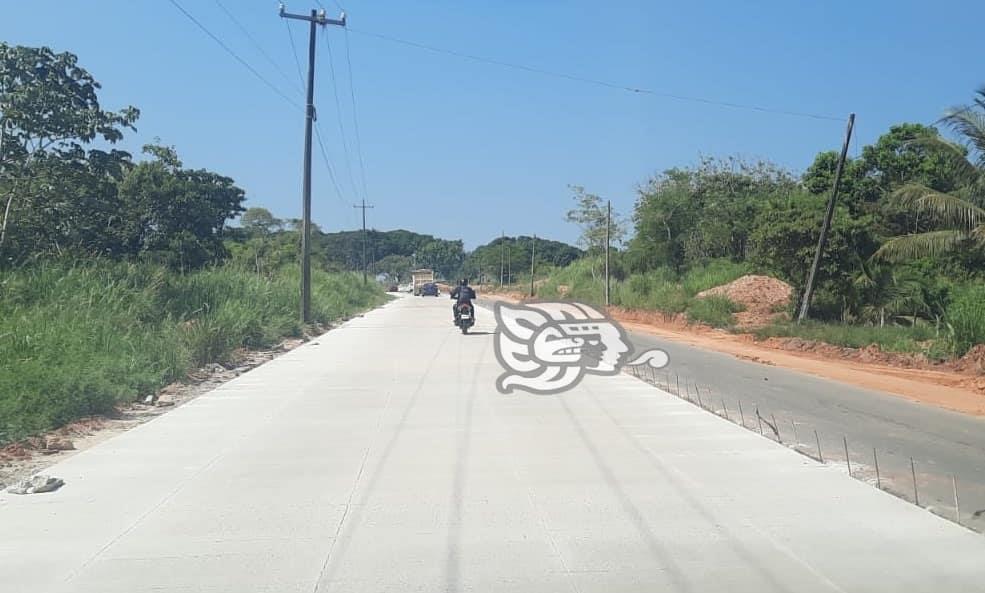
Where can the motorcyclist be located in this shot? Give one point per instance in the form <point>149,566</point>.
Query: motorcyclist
<point>463,293</point>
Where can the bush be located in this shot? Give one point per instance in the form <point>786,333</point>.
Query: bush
<point>965,318</point>
<point>77,339</point>
<point>716,311</point>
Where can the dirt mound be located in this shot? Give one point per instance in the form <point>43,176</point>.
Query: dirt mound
<point>972,362</point>
<point>763,297</point>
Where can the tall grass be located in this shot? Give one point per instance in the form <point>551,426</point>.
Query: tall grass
<point>712,273</point>
<point>889,338</point>
<point>657,290</point>
<point>965,318</point>
<point>716,311</point>
<point>77,339</point>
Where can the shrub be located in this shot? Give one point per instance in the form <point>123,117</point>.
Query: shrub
<point>965,318</point>
<point>716,311</point>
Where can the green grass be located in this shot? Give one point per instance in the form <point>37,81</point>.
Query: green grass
<point>716,311</point>
<point>77,339</point>
<point>654,290</point>
<point>965,319</point>
<point>713,273</point>
<point>890,338</point>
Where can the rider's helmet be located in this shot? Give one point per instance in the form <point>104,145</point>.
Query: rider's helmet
<point>464,282</point>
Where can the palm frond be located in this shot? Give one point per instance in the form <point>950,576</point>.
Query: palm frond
<point>969,123</point>
<point>947,208</point>
<point>917,245</point>
<point>978,235</point>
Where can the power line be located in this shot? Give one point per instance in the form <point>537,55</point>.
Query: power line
<point>335,2</point>
<point>597,82</point>
<point>355,118</point>
<point>245,64</point>
<point>294,50</point>
<point>256,44</point>
<point>331,170</point>
<point>338,114</point>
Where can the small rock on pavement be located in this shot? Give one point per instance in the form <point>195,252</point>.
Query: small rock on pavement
<point>36,485</point>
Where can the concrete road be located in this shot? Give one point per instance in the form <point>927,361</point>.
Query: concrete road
<point>942,443</point>
<point>380,458</point>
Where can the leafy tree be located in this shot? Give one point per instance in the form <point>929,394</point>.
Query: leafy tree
<point>688,215</point>
<point>260,221</point>
<point>174,215</point>
<point>396,266</point>
<point>956,215</point>
<point>54,192</point>
<point>589,213</point>
<point>444,257</point>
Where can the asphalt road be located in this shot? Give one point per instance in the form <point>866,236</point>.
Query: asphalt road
<point>942,443</point>
<point>380,457</point>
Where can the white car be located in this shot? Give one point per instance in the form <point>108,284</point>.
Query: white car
<point>406,288</point>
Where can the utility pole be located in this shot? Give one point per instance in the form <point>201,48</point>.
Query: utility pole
<point>608,221</point>
<point>316,19</point>
<point>533,250</point>
<point>509,266</point>
<point>502,257</point>
<point>805,303</point>
<point>365,263</point>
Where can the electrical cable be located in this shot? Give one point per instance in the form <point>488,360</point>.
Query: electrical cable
<point>236,56</point>
<point>597,82</point>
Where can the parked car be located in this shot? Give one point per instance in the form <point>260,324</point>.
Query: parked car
<point>430,289</point>
<point>392,288</point>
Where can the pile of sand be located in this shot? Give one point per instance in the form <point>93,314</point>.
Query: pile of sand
<point>763,297</point>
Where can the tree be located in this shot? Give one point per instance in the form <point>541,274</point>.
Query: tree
<point>589,213</point>
<point>688,215</point>
<point>956,215</point>
<point>395,266</point>
<point>260,221</point>
<point>60,191</point>
<point>444,257</point>
<point>176,216</point>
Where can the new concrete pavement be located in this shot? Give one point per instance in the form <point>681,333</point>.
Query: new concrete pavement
<point>381,458</point>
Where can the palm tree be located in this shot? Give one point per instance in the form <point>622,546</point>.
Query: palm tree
<point>959,218</point>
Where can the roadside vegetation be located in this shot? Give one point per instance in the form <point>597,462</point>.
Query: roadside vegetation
<point>904,267</point>
<point>78,339</point>
<point>118,276</point>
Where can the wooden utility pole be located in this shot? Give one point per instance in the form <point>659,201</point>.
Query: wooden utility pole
<point>502,257</point>
<point>365,262</point>
<point>533,251</point>
<point>608,222</point>
<point>805,303</point>
<point>315,19</point>
<point>509,266</point>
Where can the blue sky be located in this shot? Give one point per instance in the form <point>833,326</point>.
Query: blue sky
<point>462,149</point>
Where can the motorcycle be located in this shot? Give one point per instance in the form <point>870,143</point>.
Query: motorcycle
<point>465,317</point>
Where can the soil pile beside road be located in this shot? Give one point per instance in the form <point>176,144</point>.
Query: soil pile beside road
<point>764,298</point>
